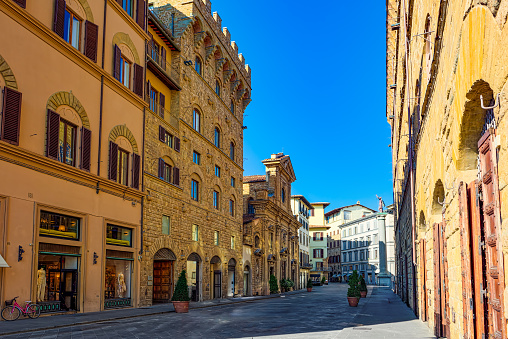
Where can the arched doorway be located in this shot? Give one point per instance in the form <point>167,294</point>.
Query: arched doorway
<point>163,273</point>
<point>246,281</point>
<point>216,277</point>
<point>231,277</point>
<point>193,276</point>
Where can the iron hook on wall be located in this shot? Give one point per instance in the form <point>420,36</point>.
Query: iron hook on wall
<point>491,107</point>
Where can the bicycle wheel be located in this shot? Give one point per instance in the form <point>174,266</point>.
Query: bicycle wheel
<point>10,313</point>
<point>33,311</point>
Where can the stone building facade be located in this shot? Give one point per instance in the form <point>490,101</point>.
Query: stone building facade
<point>198,88</point>
<point>270,229</point>
<point>446,105</point>
<point>302,208</point>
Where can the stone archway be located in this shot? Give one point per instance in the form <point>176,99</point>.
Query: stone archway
<point>67,98</point>
<point>122,130</point>
<point>247,282</point>
<point>163,275</point>
<point>216,278</point>
<point>194,276</point>
<point>7,74</point>
<point>124,38</point>
<point>231,277</point>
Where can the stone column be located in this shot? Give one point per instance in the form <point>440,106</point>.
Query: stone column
<point>383,276</point>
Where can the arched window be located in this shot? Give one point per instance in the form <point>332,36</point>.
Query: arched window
<point>197,65</point>
<point>216,140</point>
<point>232,107</point>
<point>217,87</point>
<point>232,150</point>
<point>256,242</point>
<point>196,120</point>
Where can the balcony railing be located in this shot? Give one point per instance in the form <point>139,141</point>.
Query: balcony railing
<point>163,66</point>
<point>165,114</point>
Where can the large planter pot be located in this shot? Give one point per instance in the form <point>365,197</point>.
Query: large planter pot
<point>309,289</point>
<point>181,306</point>
<point>353,301</point>
<point>363,294</point>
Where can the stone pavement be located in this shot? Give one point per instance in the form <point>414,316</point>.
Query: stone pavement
<point>323,313</point>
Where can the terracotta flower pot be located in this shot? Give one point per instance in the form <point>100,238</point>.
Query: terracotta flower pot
<point>181,306</point>
<point>353,301</point>
<point>309,289</point>
<point>363,294</point>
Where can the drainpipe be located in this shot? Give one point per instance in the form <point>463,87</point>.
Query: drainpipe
<point>102,91</point>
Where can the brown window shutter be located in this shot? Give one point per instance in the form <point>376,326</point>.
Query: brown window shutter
<point>119,2</point>
<point>162,104</point>
<point>59,17</point>
<point>11,116</point>
<point>91,38</point>
<point>163,57</point>
<point>113,161</point>
<point>136,159</point>
<point>138,80</point>
<point>141,13</point>
<point>162,134</point>
<point>177,144</point>
<point>314,236</point>
<point>161,168</point>
<point>148,91</point>
<point>21,3</point>
<point>86,148</point>
<point>117,54</point>
<point>176,176</point>
<point>53,130</point>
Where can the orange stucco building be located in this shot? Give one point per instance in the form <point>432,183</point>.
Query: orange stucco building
<point>72,80</point>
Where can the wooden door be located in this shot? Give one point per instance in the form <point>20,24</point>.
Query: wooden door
<point>162,280</point>
<point>438,324</point>
<point>445,300</point>
<point>492,233</point>
<point>423,277</point>
<point>217,285</point>
<point>466,265</point>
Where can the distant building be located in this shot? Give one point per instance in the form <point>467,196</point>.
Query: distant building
<point>318,242</point>
<point>301,209</point>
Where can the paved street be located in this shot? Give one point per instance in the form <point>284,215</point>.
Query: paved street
<point>321,314</point>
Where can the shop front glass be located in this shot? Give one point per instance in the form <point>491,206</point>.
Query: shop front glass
<point>59,225</point>
<point>117,290</point>
<point>119,236</point>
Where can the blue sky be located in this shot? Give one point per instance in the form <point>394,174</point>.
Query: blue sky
<point>318,94</point>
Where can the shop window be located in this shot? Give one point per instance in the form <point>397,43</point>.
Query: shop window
<point>196,158</point>
<point>216,238</point>
<point>117,235</point>
<point>196,121</point>
<point>166,225</point>
<point>216,200</point>
<point>195,232</point>
<point>195,190</point>
<point>58,225</point>
<point>72,28</point>
<point>117,279</point>
<point>67,143</point>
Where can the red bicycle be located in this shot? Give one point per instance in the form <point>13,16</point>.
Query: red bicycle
<point>12,310</point>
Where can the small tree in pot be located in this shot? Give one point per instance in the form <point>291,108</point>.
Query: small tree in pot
<point>323,280</point>
<point>274,287</point>
<point>181,297</point>
<point>353,292</point>
<point>309,285</point>
<point>363,287</point>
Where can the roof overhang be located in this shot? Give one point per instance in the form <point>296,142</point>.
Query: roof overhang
<point>3,263</point>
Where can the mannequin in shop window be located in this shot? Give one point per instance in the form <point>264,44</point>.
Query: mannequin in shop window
<point>41,284</point>
<point>121,285</point>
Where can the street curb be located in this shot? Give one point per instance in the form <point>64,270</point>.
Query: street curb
<point>272,296</point>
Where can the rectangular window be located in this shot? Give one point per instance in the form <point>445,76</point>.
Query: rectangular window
<point>168,139</point>
<point>216,238</point>
<point>375,253</point>
<point>119,236</point>
<point>153,99</point>
<point>195,190</point>
<point>59,225</point>
<point>347,215</point>
<point>125,71</point>
<point>196,121</point>
<point>195,232</point>
<point>232,208</point>
<point>166,225</point>
<point>196,158</point>
<point>344,233</point>
<point>232,242</point>
<point>72,29</point>
<point>216,200</point>
<point>127,5</point>
<point>123,166</point>
<point>67,143</point>
<point>232,182</point>
<point>166,171</point>
<point>217,171</point>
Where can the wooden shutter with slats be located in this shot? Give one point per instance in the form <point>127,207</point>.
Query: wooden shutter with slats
<point>162,134</point>
<point>423,277</point>
<point>113,161</point>
<point>52,134</point>
<point>138,80</point>
<point>59,17</point>
<point>136,160</point>
<point>177,144</point>
<point>437,281</point>
<point>86,148</point>
<point>117,55</point>
<point>162,105</point>
<point>141,13</point>
<point>11,115</point>
<point>161,168</point>
<point>163,58</point>
<point>176,176</point>
<point>91,39</point>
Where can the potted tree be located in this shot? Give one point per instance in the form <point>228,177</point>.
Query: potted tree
<point>283,285</point>
<point>274,287</point>
<point>309,285</point>
<point>323,280</point>
<point>353,292</point>
<point>363,287</point>
<point>181,297</point>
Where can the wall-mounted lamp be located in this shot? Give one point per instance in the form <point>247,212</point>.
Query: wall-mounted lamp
<point>187,62</point>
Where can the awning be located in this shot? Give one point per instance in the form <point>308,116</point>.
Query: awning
<point>3,263</point>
